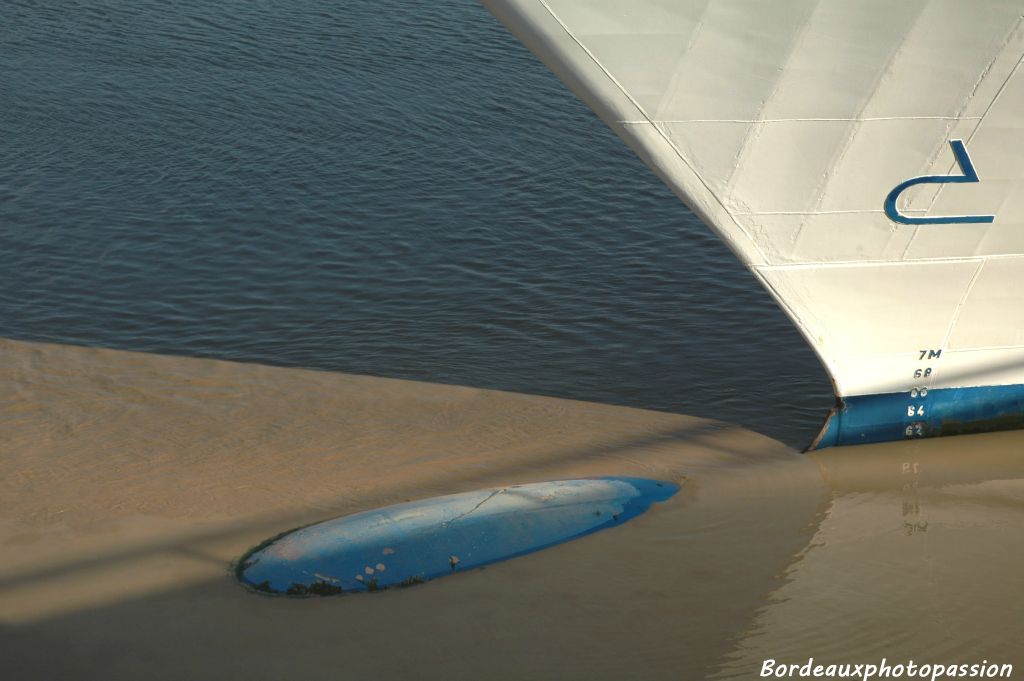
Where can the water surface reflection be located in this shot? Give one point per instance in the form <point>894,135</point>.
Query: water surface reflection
<point>917,557</point>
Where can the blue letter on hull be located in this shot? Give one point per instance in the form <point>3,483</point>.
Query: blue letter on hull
<point>969,175</point>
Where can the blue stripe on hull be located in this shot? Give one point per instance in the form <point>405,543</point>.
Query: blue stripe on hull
<point>863,419</point>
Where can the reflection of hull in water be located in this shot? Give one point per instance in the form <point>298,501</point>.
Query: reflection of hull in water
<point>932,464</point>
<point>916,557</point>
<point>878,198</point>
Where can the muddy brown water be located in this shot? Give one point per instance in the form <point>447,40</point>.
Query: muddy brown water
<point>132,481</point>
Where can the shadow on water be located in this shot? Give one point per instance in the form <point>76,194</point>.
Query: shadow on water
<point>905,550</point>
<point>665,594</point>
<point>406,194</point>
<point>460,479</point>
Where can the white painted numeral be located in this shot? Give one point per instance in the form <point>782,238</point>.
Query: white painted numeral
<point>914,430</point>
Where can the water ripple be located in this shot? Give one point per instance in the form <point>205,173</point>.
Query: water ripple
<point>403,193</point>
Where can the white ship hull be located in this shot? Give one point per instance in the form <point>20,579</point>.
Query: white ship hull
<point>864,160</point>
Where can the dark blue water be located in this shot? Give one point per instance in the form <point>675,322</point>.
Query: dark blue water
<point>397,189</point>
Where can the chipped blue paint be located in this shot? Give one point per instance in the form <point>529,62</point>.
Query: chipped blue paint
<point>969,175</point>
<point>421,540</point>
<point>864,419</point>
